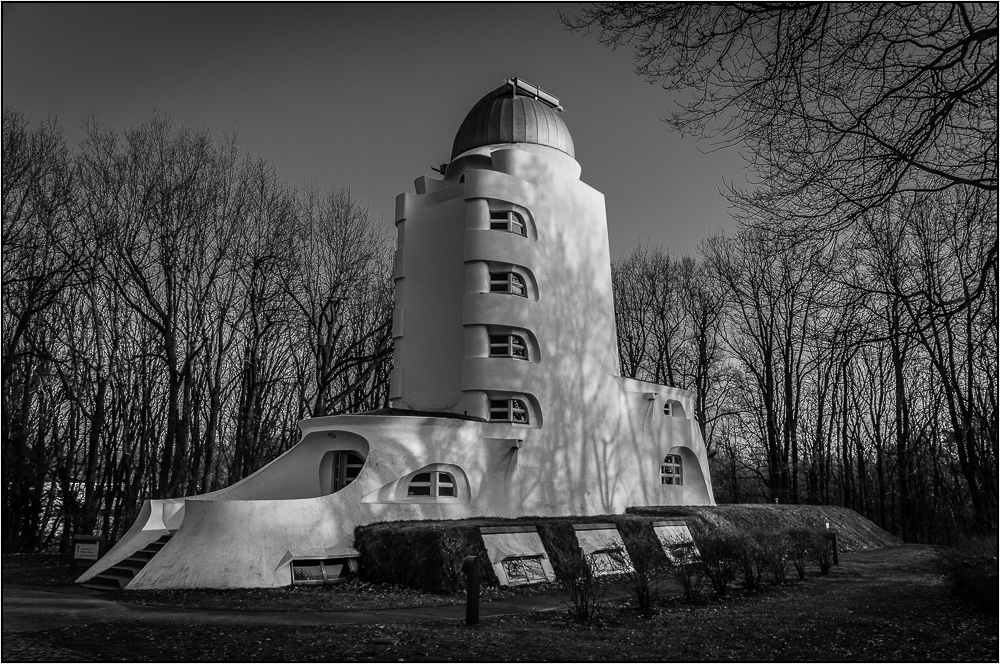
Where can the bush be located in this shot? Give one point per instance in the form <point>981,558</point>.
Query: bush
<point>821,549</point>
<point>720,555</point>
<point>685,565</point>
<point>426,555</point>
<point>753,552</point>
<point>775,547</point>
<point>972,566</point>
<point>648,571</point>
<point>586,592</point>
<point>559,540</point>
<point>799,543</point>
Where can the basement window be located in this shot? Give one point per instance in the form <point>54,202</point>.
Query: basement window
<point>507,282</point>
<point>522,570</point>
<point>508,410</point>
<point>508,345</point>
<point>322,572</point>
<point>501,220</point>
<point>670,470</point>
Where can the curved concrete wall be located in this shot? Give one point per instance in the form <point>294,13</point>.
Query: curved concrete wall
<point>593,443</point>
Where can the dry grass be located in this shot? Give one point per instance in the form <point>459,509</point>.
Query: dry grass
<point>885,605</point>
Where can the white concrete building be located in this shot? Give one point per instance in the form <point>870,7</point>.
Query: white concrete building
<point>506,398</point>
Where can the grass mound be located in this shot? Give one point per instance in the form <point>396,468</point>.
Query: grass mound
<point>854,532</point>
<point>429,554</point>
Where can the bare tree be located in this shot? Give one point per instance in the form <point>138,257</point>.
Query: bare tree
<point>338,282</point>
<point>41,261</point>
<point>842,106</point>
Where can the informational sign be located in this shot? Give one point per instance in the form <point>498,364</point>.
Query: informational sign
<point>87,551</point>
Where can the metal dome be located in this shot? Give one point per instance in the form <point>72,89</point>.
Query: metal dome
<point>516,112</point>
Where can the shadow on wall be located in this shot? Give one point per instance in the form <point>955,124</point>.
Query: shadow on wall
<point>580,443</point>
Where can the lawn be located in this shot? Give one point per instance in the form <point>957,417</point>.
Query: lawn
<point>894,605</point>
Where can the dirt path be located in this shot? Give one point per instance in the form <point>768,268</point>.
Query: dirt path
<point>891,604</point>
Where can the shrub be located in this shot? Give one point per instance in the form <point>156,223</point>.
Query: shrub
<point>972,566</point>
<point>685,565</point>
<point>648,571</point>
<point>428,556</point>
<point>720,556</point>
<point>821,549</point>
<point>559,540</point>
<point>775,547</point>
<point>799,543</point>
<point>586,592</point>
<point>753,552</point>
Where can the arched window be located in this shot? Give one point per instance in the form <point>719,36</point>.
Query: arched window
<point>671,470</point>
<point>508,410</point>
<point>507,220</point>
<point>347,466</point>
<point>435,484</point>
<point>507,282</point>
<point>508,345</point>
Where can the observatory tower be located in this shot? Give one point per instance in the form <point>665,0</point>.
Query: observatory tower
<point>504,308</point>
<point>505,399</point>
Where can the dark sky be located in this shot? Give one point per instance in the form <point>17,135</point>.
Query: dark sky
<point>367,95</point>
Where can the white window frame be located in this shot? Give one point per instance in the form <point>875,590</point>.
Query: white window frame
<point>672,470</point>
<point>511,410</point>
<point>506,345</point>
<point>508,221</point>
<point>439,480</point>
<point>345,469</point>
<point>510,283</point>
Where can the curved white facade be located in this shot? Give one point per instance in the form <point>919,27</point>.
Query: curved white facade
<point>504,326</point>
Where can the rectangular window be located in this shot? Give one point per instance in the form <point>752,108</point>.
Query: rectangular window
<point>507,282</point>
<point>446,485</point>
<point>322,572</point>
<point>523,569</point>
<point>670,469</point>
<point>507,221</point>
<point>509,410</point>
<point>500,411</point>
<point>508,345</point>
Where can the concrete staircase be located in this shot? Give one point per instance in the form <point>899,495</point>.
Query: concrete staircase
<point>119,576</point>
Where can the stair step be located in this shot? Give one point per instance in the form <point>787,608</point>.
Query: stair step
<point>123,571</point>
<point>117,573</point>
<point>102,582</point>
<point>133,563</point>
<point>119,576</point>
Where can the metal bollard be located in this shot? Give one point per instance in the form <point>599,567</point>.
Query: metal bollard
<point>471,568</point>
